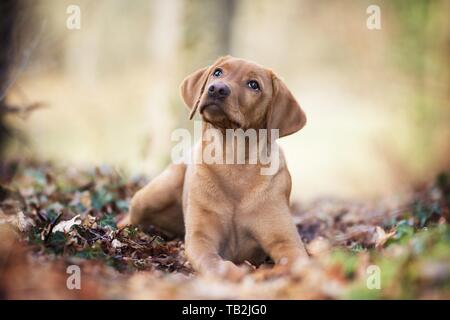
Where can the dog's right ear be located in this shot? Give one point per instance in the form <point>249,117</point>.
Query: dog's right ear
<point>192,88</point>
<point>194,84</point>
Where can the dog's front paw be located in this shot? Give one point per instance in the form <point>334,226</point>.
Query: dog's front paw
<point>230,271</point>
<point>125,221</point>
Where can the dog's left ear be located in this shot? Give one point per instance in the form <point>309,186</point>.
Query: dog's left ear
<point>284,113</point>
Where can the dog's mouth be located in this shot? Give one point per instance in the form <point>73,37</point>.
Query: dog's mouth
<point>214,113</point>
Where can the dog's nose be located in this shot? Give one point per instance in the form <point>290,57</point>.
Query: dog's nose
<point>218,90</point>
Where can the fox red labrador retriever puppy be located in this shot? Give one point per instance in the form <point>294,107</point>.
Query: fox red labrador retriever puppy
<point>229,213</point>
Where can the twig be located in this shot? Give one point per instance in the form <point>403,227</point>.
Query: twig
<point>23,64</point>
<point>48,230</point>
<point>21,111</point>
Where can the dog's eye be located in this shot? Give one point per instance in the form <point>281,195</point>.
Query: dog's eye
<point>252,84</point>
<point>217,73</point>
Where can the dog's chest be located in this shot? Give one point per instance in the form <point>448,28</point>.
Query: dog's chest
<point>238,183</point>
<point>230,195</point>
<point>234,200</point>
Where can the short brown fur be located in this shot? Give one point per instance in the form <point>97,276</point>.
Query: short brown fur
<point>228,213</point>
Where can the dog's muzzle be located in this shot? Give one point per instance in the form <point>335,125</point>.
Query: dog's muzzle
<point>213,110</point>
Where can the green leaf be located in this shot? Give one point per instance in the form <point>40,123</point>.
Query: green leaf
<point>122,205</point>
<point>404,231</point>
<point>57,242</point>
<point>100,197</point>
<point>37,175</point>
<point>108,220</point>
<point>347,260</point>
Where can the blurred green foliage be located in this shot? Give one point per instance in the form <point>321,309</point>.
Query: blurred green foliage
<point>421,51</point>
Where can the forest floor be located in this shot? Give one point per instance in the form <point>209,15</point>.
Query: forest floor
<point>53,217</point>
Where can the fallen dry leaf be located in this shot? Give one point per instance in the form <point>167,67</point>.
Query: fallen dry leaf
<point>65,226</point>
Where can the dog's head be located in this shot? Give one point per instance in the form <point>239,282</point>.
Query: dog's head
<point>235,93</point>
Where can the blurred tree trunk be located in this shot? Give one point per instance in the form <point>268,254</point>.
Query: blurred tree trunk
<point>207,31</point>
<point>188,34</point>
<point>207,34</point>
<point>8,18</point>
<point>163,43</point>
<point>224,12</point>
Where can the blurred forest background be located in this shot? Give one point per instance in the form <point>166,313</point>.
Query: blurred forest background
<point>377,101</point>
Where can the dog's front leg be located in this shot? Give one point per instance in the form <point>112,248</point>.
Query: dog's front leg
<point>278,235</point>
<point>202,244</point>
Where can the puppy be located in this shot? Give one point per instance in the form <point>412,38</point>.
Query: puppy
<point>229,213</point>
